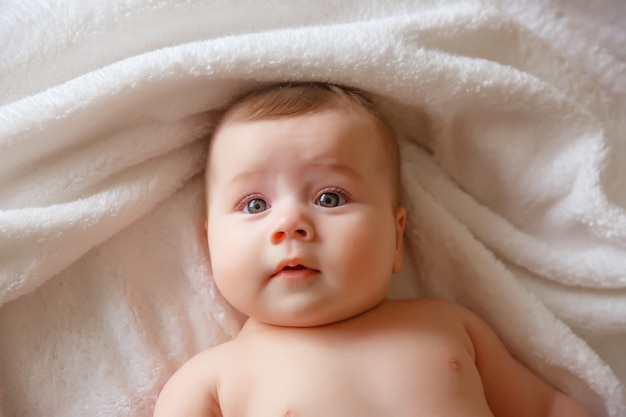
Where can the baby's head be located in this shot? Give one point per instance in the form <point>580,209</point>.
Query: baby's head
<point>293,99</point>
<point>304,223</point>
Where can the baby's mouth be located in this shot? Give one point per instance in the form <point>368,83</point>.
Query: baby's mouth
<point>294,268</point>
<point>294,271</point>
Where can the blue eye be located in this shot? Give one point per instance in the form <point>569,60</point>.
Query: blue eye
<point>256,205</point>
<point>330,200</point>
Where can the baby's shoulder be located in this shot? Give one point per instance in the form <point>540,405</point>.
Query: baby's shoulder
<point>196,381</point>
<point>208,364</point>
<point>440,316</point>
<point>447,317</point>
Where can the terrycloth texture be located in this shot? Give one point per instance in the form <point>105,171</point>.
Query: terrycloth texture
<point>512,121</point>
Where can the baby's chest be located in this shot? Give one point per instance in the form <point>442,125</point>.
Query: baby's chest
<point>371,377</point>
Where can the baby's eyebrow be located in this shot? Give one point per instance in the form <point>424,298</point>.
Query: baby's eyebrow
<point>246,175</point>
<point>335,166</point>
<point>339,166</point>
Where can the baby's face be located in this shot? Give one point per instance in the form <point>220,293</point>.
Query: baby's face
<point>301,226</point>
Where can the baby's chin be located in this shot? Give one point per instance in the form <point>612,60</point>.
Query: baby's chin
<point>299,322</point>
<point>304,323</point>
<point>309,319</point>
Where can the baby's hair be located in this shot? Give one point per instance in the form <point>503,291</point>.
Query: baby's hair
<point>291,99</point>
<point>297,98</point>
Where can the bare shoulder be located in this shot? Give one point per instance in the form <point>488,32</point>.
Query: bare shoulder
<point>441,317</point>
<point>435,309</point>
<point>523,392</point>
<point>210,362</point>
<point>192,389</point>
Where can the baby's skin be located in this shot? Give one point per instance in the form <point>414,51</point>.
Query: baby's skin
<point>404,358</point>
<point>304,231</point>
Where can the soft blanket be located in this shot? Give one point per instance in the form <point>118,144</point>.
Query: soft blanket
<point>511,118</point>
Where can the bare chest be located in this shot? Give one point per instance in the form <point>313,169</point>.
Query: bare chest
<point>390,373</point>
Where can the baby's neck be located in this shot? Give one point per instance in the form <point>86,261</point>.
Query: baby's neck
<point>253,325</point>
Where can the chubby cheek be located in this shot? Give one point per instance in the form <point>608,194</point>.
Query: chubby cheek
<point>365,249</point>
<point>231,262</point>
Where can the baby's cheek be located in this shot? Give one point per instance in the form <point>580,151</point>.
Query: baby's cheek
<point>224,257</point>
<point>231,281</point>
<point>361,246</point>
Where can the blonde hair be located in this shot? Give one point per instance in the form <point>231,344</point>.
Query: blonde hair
<point>297,98</point>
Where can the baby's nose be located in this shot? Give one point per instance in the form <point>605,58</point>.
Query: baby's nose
<point>292,226</point>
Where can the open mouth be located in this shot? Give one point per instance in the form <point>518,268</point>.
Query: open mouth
<point>293,271</point>
<point>294,268</point>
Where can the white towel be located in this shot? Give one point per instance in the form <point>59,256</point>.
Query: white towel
<point>511,119</point>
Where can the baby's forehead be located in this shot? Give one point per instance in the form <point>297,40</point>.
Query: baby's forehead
<point>329,120</point>
<point>338,132</point>
<point>243,113</point>
<point>240,121</point>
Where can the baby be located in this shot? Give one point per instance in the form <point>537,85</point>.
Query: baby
<point>304,230</point>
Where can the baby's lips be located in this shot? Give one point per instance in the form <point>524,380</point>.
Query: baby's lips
<point>293,266</point>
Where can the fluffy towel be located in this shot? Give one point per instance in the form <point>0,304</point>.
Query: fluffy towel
<point>511,118</point>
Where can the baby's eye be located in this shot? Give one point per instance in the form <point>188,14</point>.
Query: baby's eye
<point>256,205</point>
<point>330,200</point>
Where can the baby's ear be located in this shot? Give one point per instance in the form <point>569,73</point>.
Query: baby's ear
<point>400,223</point>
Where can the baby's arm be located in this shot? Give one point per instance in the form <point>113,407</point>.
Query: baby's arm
<point>191,391</point>
<point>510,388</point>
